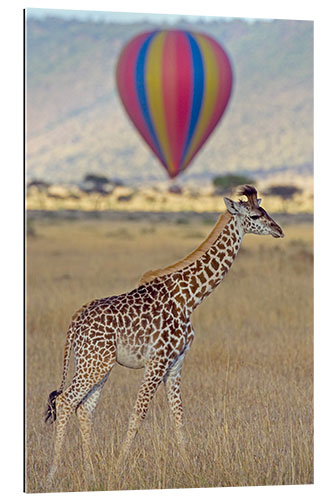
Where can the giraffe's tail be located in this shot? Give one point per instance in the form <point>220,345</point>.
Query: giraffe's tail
<point>50,413</point>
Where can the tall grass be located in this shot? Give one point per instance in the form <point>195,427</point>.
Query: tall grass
<point>247,380</point>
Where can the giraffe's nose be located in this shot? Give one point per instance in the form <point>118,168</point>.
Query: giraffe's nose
<point>277,231</point>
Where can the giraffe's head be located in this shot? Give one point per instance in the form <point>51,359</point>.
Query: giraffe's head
<point>251,216</point>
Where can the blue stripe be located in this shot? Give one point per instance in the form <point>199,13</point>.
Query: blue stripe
<point>198,89</point>
<point>141,88</point>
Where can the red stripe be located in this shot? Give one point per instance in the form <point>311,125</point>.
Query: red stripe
<point>222,98</point>
<point>177,92</point>
<point>126,82</point>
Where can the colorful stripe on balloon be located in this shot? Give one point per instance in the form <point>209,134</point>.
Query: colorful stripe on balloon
<point>175,86</point>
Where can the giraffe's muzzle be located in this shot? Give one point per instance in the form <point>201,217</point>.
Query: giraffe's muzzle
<point>277,231</point>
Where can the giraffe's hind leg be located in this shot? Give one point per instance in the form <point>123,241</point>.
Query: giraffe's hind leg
<point>85,413</point>
<point>67,402</point>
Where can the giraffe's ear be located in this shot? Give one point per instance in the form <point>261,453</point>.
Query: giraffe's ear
<point>259,201</point>
<point>232,206</point>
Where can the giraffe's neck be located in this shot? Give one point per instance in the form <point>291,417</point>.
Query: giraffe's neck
<point>194,283</point>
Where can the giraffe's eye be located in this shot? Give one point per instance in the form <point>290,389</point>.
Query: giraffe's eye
<point>254,217</point>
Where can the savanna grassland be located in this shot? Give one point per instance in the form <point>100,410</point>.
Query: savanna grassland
<point>247,380</point>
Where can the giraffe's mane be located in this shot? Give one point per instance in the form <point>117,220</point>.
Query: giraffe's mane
<point>193,256</point>
<point>77,314</point>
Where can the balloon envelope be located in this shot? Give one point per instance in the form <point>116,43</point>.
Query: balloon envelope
<point>175,86</point>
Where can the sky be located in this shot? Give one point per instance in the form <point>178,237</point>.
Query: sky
<point>120,17</point>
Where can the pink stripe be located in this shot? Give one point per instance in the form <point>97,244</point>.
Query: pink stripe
<point>177,92</point>
<point>126,82</point>
<point>222,98</point>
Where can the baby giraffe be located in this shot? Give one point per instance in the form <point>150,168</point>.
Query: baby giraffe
<point>149,327</point>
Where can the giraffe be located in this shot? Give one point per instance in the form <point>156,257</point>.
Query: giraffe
<point>149,327</point>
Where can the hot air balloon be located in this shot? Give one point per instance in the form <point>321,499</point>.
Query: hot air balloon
<point>175,86</point>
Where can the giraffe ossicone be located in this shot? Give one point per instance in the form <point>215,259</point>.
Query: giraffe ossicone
<point>149,327</point>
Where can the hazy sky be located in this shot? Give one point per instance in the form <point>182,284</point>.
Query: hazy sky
<point>121,17</point>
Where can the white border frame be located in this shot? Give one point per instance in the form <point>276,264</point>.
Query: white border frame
<point>12,205</point>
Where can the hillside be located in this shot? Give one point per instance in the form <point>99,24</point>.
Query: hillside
<point>76,124</point>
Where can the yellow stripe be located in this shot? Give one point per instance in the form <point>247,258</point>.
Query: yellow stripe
<point>210,93</point>
<point>155,94</point>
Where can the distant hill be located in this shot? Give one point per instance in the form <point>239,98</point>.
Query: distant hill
<point>76,124</point>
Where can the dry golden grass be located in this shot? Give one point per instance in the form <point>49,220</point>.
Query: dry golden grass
<point>247,380</point>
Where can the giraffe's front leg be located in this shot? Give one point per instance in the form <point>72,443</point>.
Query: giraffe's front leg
<point>153,376</point>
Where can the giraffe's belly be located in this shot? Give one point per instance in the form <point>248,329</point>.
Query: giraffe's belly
<point>130,357</point>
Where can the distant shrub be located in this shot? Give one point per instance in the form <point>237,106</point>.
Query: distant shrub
<point>95,183</point>
<point>174,189</point>
<point>223,183</point>
<point>96,179</point>
<point>284,192</point>
<point>39,184</point>
<point>124,198</point>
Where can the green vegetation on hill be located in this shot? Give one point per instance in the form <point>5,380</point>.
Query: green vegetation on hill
<point>223,183</point>
<point>76,124</point>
